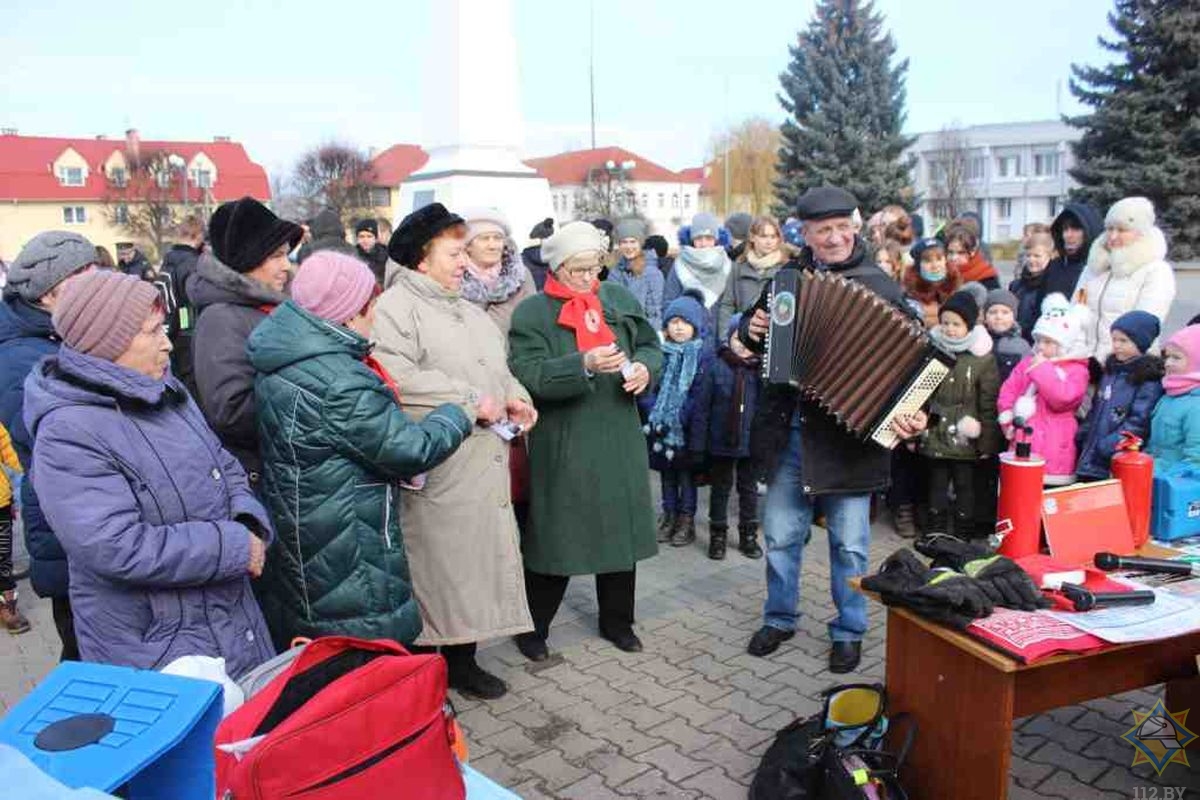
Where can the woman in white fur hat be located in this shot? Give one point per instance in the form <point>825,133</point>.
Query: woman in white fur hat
<point>1127,270</point>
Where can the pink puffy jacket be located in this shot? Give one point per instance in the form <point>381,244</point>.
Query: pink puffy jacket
<point>1059,387</point>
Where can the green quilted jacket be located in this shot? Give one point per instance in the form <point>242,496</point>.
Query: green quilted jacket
<point>334,445</point>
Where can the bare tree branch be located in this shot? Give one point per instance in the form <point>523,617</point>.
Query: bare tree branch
<point>144,198</point>
<point>753,147</point>
<point>336,176</point>
<point>949,174</point>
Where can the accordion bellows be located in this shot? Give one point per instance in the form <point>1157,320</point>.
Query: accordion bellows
<point>853,353</point>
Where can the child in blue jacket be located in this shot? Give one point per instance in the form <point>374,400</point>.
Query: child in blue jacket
<point>728,398</point>
<point>676,439</point>
<point>1175,424</point>
<point>1128,391</point>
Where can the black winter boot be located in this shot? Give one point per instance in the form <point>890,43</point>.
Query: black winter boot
<point>964,526</point>
<point>685,531</point>
<point>748,541</point>
<point>717,535</point>
<point>666,525</point>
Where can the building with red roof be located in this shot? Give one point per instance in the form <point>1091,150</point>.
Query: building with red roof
<point>50,182</point>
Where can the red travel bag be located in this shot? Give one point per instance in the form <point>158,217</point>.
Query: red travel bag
<point>350,718</point>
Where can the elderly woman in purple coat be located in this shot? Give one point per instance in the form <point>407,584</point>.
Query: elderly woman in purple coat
<point>161,530</point>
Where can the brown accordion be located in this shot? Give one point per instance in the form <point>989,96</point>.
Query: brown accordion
<point>853,353</point>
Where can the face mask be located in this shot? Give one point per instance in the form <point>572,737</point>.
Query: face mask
<point>932,278</point>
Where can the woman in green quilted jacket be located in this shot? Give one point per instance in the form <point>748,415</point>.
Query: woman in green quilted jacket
<point>338,454</point>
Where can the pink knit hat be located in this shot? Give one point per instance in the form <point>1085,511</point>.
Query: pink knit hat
<point>333,286</point>
<point>100,312</point>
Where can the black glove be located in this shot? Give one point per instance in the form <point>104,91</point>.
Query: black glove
<point>1005,583</point>
<point>942,595</point>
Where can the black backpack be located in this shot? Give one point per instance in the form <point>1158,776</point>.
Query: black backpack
<point>806,763</point>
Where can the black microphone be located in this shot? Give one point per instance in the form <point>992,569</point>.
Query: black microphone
<point>1086,600</point>
<point>1111,561</point>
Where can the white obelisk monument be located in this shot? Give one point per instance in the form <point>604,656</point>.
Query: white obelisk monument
<point>472,117</point>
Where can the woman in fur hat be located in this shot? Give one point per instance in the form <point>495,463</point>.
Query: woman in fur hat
<point>1127,270</point>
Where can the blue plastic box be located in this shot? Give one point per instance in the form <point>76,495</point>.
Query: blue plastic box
<point>1176,513</point>
<point>148,732</point>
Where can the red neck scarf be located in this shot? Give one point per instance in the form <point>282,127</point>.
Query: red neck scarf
<point>581,313</point>
<point>385,376</point>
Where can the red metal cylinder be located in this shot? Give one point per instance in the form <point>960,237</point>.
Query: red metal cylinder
<point>1019,509</point>
<point>1135,470</point>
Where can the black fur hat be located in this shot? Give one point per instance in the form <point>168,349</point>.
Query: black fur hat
<point>418,228</point>
<point>245,232</point>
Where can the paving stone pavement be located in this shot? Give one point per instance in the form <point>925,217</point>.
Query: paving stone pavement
<point>691,716</point>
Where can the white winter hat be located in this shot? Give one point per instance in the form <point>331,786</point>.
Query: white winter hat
<point>572,239</point>
<point>1062,323</point>
<point>1131,213</point>
<point>485,220</point>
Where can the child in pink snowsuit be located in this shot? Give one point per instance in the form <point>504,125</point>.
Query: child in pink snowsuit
<point>1047,387</point>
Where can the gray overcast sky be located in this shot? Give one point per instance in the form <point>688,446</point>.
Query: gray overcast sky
<point>281,76</point>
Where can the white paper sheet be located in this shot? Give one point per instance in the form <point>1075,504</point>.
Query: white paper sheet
<point>1169,615</point>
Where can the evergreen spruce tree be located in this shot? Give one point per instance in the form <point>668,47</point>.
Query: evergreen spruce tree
<point>1143,136</point>
<point>845,102</point>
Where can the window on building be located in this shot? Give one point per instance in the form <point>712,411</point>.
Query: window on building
<point>1008,166</point>
<point>1051,207</point>
<point>74,215</point>
<point>644,201</point>
<point>1045,165</point>
<point>71,176</point>
<point>122,214</point>
<point>119,176</point>
<point>975,168</point>
<point>203,178</point>
<point>687,200</point>
<point>162,178</point>
<point>422,198</point>
<point>1004,207</point>
<point>662,200</point>
<point>381,196</point>
<point>675,201</point>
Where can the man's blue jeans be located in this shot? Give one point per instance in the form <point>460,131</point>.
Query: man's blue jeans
<point>787,520</point>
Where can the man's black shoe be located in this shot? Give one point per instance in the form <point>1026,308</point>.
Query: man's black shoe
<point>844,657</point>
<point>531,646</point>
<point>474,681</point>
<point>767,640</point>
<point>625,640</point>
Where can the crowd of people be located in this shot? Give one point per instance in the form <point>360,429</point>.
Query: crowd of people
<point>423,435</point>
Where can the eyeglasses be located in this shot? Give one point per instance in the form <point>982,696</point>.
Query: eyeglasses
<point>580,272</point>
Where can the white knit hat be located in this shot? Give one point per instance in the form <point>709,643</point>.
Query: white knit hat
<point>485,220</point>
<point>1063,323</point>
<point>1131,213</point>
<point>572,239</point>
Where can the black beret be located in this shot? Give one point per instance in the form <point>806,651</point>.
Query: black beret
<point>824,202</point>
<point>418,228</point>
<point>543,230</point>
<point>369,225</point>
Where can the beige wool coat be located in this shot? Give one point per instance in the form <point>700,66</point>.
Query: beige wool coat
<point>459,530</point>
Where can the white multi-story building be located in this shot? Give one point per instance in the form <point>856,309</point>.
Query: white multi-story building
<point>1011,174</point>
<point>666,199</point>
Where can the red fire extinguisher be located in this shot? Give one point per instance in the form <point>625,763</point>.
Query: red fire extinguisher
<point>1135,470</point>
<point>1019,509</point>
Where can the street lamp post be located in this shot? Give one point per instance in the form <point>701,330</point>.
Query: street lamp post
<point>177,162</point>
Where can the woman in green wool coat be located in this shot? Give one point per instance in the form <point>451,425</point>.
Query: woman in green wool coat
<point>336,450</point>
<point>584,350</point>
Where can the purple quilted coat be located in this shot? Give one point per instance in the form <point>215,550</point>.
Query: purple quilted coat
<point>146,503</point>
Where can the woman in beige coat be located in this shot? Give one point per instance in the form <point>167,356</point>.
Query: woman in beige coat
<point>459,528</point>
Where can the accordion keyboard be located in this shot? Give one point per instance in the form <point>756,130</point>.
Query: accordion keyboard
<point>915,395</point>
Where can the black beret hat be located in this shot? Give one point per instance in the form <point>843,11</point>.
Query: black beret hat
<point>418,228</point>
<point>824,202</point>
<point>369,225</point>
<point>244,233</point>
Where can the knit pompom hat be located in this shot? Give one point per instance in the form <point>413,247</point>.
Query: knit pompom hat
<point>1141,327</point>
<point>100,313</point>
<point>333,286</point>
<point>689,308</point>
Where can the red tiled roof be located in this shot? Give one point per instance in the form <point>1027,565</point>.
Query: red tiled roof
<point>572,167</point>
<point>701,175</point>
<point>26,167</point>
<point>395,164</point>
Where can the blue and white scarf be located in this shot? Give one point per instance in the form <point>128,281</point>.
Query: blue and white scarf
<point>666,418</point>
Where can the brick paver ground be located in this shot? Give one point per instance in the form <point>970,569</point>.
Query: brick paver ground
<point>691,716</point>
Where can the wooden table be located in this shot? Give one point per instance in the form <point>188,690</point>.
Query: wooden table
<point>965,695</point>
